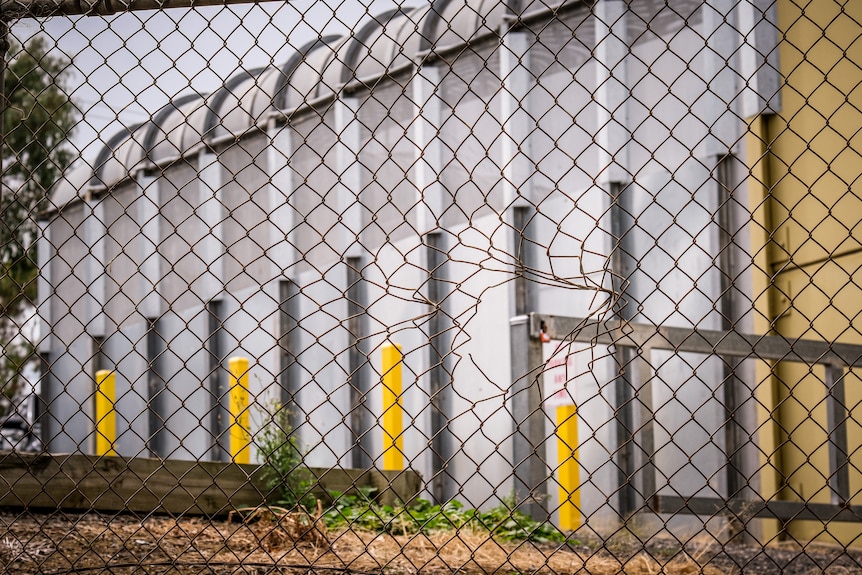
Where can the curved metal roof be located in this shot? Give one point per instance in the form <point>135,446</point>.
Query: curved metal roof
<point>302,74</point>
<point>70,186</point>
<point>463,22</point>
<point>163,139</point>
<point>319,69</point>
<point>352,51</point>
<point>114,157</point>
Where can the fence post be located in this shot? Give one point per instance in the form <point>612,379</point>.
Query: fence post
<point>568,472</point>
<point>528,438</point>
<point>240,436</point>
<point>393,421</point>
<point>106,416</point>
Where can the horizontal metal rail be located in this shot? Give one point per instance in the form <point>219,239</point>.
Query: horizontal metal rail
<point>713,342</point>
<point>694,340</point>
<point>752,508</point>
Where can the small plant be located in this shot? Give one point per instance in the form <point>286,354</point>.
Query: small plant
<point>286,477</point>
<point>508,524</point>
<point>290,482</point>
<point>359,511</point>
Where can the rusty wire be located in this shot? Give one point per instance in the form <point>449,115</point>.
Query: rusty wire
<point>279,279</point>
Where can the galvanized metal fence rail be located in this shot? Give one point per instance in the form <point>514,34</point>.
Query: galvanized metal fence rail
<point>446,286</point>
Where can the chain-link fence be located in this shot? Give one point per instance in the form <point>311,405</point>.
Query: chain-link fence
<point>459,286</point>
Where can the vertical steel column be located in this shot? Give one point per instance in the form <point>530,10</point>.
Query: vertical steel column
<point>42,422</point>
<point>719,106</point>
<point>522,252</point>
<point>155,388</point>
<point>645,439</point>
<point>622,266</point>
<point>758,57</point>
<point>97,358</point>
<point>518,79</point>
<point>215,381</point>
<point>357,361</point>
<point>440,377</point>
<point>515,151</point>
<point>839,452</point>
<point>208,287</point>
<point>529,469</point>
<point>150,266</point>
<point>288,345</point>
<point>734,429</point>
<point>625,431</point>
<point>96,365</point>
<point>94,278</point>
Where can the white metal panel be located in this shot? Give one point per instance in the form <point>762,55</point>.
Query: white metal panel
<point>428,148</point>
<point>46,254</point>
<point>211,212</point>
<point>150,259</point>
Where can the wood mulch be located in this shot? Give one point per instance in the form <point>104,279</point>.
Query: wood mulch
<point>264,543</point>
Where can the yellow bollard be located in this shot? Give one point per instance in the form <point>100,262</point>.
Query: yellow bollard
<point>106,416</point>
<point>240,435</point>
<point>393,420</point>
<point>568,470</point>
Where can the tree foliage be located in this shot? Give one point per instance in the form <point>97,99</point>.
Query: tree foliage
<point>37,121</point>
<point>38,118</point>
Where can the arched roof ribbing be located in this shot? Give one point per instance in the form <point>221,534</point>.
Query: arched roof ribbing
<point>428,32</point>
<point>70,186</point>
<point>318,69</point>
<point>358,42</point>
<point>109,154</point>
<point>217,100</point>
<point>464,21</point>
<point>159,120</point>
<point>281,99</point>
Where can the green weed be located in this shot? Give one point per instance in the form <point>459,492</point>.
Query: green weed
<point>287,479</point>
<point>359,511</point>
<point>290,482</point>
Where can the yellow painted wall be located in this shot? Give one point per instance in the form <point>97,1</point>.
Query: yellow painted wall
<point>806,199</point>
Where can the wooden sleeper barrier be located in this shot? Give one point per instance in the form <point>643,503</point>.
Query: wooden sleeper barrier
<point>142,485</point>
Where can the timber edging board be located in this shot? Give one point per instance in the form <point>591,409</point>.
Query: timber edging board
<point>111,484</point>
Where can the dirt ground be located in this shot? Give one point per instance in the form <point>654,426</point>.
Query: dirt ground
<point>61,543</point>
